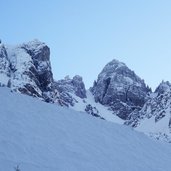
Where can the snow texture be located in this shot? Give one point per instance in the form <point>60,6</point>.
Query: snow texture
<point>118,95</point>
<point>39,136</point>
<point>99,109</point>
<point>26,68</point>
<point>154,118</point>
<point>68,88</point>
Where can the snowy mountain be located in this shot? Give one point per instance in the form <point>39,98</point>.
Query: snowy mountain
<point>26,68</point>
<point>118,94</point>
<point>68,87</point>
<point>155,117</point>
<point>39,136</point>
<point>120,88</point>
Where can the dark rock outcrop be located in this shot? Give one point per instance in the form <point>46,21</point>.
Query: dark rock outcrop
<point>157,106</point>
<point>92,111</point>
<point>74,85</point>
<point>26,68</point>
<point>4,66</point>
<point>68,88</point>
<point>40,54</point>
<point>120,88</point>
<point>155,117</point>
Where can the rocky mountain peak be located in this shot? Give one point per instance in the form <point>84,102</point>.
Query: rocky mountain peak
<point>164,87</point>
<point>74,85</point>
<point>40,55</point>
<point>155,116</point>
<point>78,83</point>
<point>35,48</point>
<point>120,88</point>
<point>68,88</point>
<point>26,68</point>
<point>113,66</point>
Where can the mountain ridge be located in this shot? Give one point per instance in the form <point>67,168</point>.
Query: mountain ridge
<point>118,94</point>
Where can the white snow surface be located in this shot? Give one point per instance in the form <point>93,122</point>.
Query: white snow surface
<point>104,111</point>
<point>159,130</point>
<point>39,136</point>
<point>157,118</point>
<point>21,61</point>
<point>4,78</point>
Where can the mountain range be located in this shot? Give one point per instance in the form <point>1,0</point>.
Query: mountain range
<point>118,95</point>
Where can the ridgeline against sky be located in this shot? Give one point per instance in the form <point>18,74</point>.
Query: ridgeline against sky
<point>84,35</point>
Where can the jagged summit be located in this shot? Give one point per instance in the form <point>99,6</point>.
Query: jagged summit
<point>34,47</point>
<point>118,94</point>
<point>113,65</point>
<point>29,68</point>
<point>68,88</point>
<point>26,68</point>
<point>155,117</point>
<point>120,88</point>
<point>35,43</point>
<point>164,86</point>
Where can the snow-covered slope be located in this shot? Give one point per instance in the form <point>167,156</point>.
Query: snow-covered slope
<point>154,118</point>
<point>39,136</point>
<point>118,95</point>
<point>96,109</point>
<point>73,94</point>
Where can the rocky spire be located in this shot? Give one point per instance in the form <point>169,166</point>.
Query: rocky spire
<point>120,88</point>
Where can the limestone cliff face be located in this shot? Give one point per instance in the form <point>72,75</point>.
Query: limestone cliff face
<point>155,116</point>
<point>26,68</point>
<point>68,88</point>
<point>118,91</point>
<point>120,88</point>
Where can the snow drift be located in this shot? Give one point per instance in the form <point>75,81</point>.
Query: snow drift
<point>39,136</point>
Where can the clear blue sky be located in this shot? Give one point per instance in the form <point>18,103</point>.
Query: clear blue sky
<point>84,35</point>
